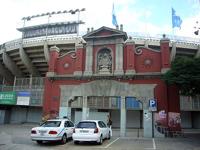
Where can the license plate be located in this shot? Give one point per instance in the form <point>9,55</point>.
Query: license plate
<point>42,132</point>
<point>84,131</point>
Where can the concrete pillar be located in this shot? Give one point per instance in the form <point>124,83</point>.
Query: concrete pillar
<point>89,60</point>
<point>198,52</point>
<point>65,108</point>
<point>173,52</point>
<point>27,62</point>
<point>11,65</point>
<point>54,54</point>
<point>6,74</point>
<point>46,51</point>
<point>146,43</point>
<point>148,127</point>
<point>31,81</point>
<point>85,110</point>
<point>123,117</point>
<point>129,56</point>
<point>79,59</point>
<point>165,54</point>
<point>119,58</point>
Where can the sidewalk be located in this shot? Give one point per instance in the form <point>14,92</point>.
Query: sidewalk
<point>192,131</point>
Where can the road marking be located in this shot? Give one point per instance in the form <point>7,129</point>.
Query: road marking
<point>154,145</point>
<point>112,142</point>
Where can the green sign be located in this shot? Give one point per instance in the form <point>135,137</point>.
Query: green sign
<point>8,98</point>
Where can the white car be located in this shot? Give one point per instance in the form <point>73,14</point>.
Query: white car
<point>53,130</point>
<point>91,130</point>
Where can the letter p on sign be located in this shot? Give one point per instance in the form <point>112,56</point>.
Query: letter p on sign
<point>152,105</point>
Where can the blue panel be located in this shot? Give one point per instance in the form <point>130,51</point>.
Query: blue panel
<point>131,102</point>
<point>128,102</point>
<point>24,93</point>
<point>119,102</point>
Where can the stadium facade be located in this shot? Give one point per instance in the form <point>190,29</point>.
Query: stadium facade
<point>104,72</point>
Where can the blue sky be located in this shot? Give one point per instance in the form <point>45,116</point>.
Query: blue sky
<point>147,16</point>
<point>157,14</point>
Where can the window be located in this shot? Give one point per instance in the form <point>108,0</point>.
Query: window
<point>51,124</point>
<point>71,124</point>
<point>104,125</point>
<point>101,124</point>
<point>67,124</point>
<point>86,125</point>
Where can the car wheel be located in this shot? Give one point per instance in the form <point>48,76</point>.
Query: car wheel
<point>108,136</point>
<point>39,142</point>
<point>100,140</point>
<point>64,139</point>
<point>76,142</point>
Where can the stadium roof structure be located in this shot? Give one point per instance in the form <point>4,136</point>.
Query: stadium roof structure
<point>29,56</point>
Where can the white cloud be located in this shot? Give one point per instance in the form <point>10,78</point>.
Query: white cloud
<point>97,14</point>
<point>187,27</point>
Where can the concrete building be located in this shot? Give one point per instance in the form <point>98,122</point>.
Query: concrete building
<point>102,73</point>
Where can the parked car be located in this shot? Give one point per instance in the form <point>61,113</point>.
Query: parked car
<point>53,130</point>
<point>91,130</point>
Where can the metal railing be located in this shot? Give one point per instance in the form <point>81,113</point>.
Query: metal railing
<point>135,35</point>
<point>190,103</point>
<point>101,102</point>
<point>36,93</point>
<point>33,85</point>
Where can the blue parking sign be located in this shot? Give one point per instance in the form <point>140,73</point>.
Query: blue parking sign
<point>152,105</point>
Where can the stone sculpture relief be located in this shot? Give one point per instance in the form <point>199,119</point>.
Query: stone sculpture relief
<point>104,61</point>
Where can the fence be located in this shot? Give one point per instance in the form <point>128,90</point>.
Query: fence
<point>190,103</point>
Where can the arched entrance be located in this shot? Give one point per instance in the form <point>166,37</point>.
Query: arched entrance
<point>109,88</point>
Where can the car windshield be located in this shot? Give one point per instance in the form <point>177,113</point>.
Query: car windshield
<point>86,125</point>
<point>51,124</point>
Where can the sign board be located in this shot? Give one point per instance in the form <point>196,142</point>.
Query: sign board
<point>23,98</point>
<point>8,98</point>
<point>50,29</point>
<point>162,114</point>
<point>152,105</point>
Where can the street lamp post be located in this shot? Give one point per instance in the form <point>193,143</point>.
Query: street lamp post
<point>47,26</point>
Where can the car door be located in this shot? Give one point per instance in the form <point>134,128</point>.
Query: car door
<point>102,126</point>
<point>67,129</point>
<point>70,127</point>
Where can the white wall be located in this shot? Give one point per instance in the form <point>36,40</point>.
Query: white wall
<point>93,115</point>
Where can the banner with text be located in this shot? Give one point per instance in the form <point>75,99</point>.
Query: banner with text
<point>8,98</point>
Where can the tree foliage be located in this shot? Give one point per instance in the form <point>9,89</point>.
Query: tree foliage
<point>185,73</point>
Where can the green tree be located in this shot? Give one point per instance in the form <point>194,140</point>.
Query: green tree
<point>185,73</point>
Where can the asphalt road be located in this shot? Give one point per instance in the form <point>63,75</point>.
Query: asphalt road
<point>17,137</point>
